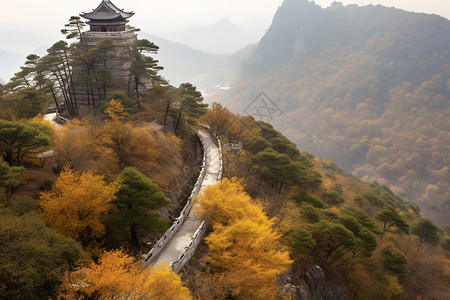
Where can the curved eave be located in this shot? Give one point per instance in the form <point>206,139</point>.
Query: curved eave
<point>98,16</point>
<point>107,23</point>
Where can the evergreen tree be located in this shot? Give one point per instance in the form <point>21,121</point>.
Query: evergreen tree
<point>19,138</point>
<point>426,232</point>
<point>279,167</point>
<point>29,103</point>
<point>395,262</point>
<point>391,218</point>
<point>33,257</point>
<point>143,67</point>
<point>9,176</point>
<point>136,201</point>
<point>192,102</point>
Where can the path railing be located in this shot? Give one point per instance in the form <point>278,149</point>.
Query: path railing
<point>162,242</point>
<point>197,237</point>
<point>190,250</point>
<point>200,233</point>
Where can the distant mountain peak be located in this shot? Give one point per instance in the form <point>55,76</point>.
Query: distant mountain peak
<point>225,20</point>
<point>221,37</point>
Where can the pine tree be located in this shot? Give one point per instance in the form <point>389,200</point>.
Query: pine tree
<point>136,202</point>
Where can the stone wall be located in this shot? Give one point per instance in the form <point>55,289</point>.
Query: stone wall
<point>119,65</point>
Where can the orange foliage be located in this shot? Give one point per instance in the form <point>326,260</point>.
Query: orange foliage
<point>118,276</point>
<point>77,205</point>
<point>244,251</point>
<point>110,146</point>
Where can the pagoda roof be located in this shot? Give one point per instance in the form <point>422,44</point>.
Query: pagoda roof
<point>107,11</point>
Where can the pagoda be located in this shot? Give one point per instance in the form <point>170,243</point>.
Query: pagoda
<point>107,18</point>
<point>107,21</point>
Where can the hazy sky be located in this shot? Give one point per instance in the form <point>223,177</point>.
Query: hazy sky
<point>168,16</point>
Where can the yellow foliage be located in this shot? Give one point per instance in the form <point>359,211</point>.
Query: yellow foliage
<point>39,119</point>
<point>117,276</point>
<point>113,145</point>
<point>78,204</point>
<point>244,251</point>
<point>107,148</point>
<point>175,142</point>
<point>393,287</point>
<point>115,110</point>
<point>289,216</point>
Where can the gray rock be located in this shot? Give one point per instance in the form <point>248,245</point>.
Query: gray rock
<point>321,288</point>
<point>303,293</point>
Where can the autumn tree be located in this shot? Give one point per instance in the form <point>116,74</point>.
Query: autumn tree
<point>218,118</point>
<point>129,105</point>
<point>137,199</point>
<point>110,146</point>
<point>77,206</point>
<point>426,232</point>
<point>118,277</point>
<point>245,254</point>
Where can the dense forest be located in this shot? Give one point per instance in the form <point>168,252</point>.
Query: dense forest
<point>367,87</point>
<point>368,241</point>
<point>81,200</point>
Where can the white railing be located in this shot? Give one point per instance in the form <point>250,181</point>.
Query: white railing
<point>108,34</point>
<point>191,248</point>
<point>162,242</point>
<point>189,251</point>
<point>219,177</point>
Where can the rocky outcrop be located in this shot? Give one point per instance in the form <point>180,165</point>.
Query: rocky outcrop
<point>319,287</point>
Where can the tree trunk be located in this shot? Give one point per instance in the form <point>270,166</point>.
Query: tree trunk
<point>167,113</point>
<point>134,238</point>
<point>9,158</point>
<point>56,100</point>
<point>178,122</point>
<point>136,86</point>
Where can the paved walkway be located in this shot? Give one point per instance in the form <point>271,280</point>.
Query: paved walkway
<point>51,117</point>
<point>182,238</point>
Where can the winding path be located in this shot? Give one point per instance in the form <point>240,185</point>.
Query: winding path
<point>180,241</point>
<point>179,244</point>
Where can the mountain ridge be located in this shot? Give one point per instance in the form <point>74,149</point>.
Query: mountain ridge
<point>367,87</point>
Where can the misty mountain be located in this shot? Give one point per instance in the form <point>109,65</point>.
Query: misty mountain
<point>15,47</point>
<point>23,42</point>
<point>209,72</point>
<point>9,64</point>
<point>222,37</point>
<point>368,87</point>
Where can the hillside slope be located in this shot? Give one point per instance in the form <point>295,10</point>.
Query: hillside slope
<point>363,236</point>
<point>367,87</point>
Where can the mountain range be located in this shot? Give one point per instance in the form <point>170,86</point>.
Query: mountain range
<point>365,86</point>
<point>222,37</point>
<point>368,87</point>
